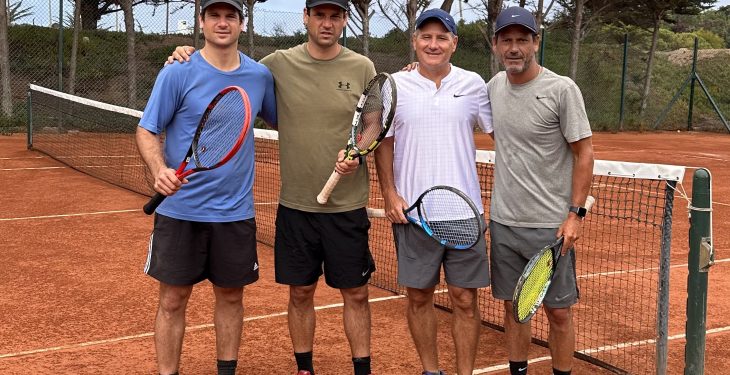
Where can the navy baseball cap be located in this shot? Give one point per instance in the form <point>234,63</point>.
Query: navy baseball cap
<point>238,4</point>
<point>515,16</point>
<point>314,3</point>
<point>439,14</point>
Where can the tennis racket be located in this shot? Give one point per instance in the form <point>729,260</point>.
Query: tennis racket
<point>447,215</point>
<point>219,135</point>
<point>373,116</point>
<point>535,280</point>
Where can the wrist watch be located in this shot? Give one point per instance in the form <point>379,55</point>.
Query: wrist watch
<point>580,211</point>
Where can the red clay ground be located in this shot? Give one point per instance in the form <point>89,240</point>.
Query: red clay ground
<point>74,299</point>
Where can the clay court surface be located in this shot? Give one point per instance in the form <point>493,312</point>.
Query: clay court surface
<point>74,299</point>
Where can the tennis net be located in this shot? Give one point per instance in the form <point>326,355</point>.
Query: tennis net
<point>622,264</point>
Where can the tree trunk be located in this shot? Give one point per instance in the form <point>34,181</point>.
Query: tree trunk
<point>90,14</point>
<point>196,26</point>
<point>649,66</point>
<point>493,9</point>
<point>74,48</point>
<point>7,95</point>
<point>131,59</point>
<point>411,9</point>
<point>446,5</point>
<point>540,14</point>
<point>362,8</point>
<point>249,28</point>
<point>575,43</point>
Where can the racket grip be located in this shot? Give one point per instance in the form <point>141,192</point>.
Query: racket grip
<point>324,195</point>
<point>155,201</point>
<point>375,212</point>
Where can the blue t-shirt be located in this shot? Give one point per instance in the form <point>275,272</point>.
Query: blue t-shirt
<point>179,98</point>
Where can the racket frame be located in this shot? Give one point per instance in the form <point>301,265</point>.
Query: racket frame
<point>182,171</point>
<point>423,224</point>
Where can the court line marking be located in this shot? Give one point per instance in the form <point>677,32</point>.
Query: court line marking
<point>29,168</point>
<point>22,157</point>
<point>602,349</point>
<point>68,215</point>
<point>187,329</point>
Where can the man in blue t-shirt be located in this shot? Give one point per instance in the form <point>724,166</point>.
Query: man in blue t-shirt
<point>206,227</point>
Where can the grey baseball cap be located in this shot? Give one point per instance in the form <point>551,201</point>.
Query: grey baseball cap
<point>313,3</point>
<point>515,16</point>
<point>238,4</point>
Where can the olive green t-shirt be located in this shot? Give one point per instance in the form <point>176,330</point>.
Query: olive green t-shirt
<point>315,101</point>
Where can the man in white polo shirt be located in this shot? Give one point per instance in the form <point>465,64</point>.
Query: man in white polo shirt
<point>431,143</point>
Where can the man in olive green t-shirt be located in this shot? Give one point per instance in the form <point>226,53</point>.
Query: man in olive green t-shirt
<point>318,84</point>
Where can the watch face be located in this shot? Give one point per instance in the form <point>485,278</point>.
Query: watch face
<point>580,211</point>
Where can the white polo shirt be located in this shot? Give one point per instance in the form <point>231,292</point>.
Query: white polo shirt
<point>434,132</point>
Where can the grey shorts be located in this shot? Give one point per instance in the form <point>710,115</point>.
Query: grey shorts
<point>420,258</point>
<point>512,248</point>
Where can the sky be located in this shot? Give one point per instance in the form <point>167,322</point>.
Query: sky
<point>268,21</point>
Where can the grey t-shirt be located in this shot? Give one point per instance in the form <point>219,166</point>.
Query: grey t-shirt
<point>533,126</point>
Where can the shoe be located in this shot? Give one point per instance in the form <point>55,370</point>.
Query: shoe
<point>304,372</point>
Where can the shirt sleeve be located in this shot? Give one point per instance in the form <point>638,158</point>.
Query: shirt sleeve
<point>163,101</point>
<point>484,118</point>
<point>268,108</point>
<point>573,118</point>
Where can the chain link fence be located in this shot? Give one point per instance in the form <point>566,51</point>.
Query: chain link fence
<point>102,73</point>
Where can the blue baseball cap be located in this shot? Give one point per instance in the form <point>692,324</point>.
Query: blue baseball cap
<point>439,14</point>
<point>515,16</point>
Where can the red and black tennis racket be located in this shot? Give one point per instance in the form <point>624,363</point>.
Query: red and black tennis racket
<point>217,139</point>
<point>373,116</point>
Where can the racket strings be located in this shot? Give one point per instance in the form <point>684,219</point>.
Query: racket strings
<point>375,112</point>
<point>534,286</point>
<point>221,131</point>
<point>451,218</point>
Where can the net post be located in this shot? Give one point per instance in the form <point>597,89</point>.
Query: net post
<point>662,322</point>
<point>29,126</point>
<point>700,235</point>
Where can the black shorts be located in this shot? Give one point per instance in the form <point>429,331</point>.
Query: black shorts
<point>186,252</point>
<point>308,242</point>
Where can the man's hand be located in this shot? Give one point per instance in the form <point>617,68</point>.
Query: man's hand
<point>181,54</point>
<point>167,183</point>
<point>409,67</point>
<point>570,230</point>
<point>394,206</point>
<point>344,166</point>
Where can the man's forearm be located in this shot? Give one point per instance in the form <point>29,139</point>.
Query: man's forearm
<point>150,148</point>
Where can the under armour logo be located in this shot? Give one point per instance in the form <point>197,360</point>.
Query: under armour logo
<point>343,85</point>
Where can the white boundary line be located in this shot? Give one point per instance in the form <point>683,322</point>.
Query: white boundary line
<point>69,215</point>
<point>29,169</point>
<point>187,329</point>
<point>602,349</point>
<point>24,157</point>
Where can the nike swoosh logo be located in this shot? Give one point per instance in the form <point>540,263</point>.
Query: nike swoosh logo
<point>366,272</point>
<point>540,97</point>
<point>521,369</point>
<point>558,299</point>
<point>459,95</point>
<point>515,15</point>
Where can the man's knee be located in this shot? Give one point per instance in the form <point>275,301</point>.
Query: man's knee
<point>355,296</point>
<point>559,318</point>
<point>302,295</point>
<point>230,296</point>
<point>463,299</point>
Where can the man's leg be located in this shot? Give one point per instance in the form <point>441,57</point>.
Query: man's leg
<point>517,337</point>
<point>357,320</point>
<point>422,324</point>
<point>561,338</point>
<point>228,321</point>
<point>170,326</point>
<point>302,321</point>
<point>465,326</point>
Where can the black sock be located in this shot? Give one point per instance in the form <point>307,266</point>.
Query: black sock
<point>362,365</point>
<point>518,368</point>
<point>304,361</point>
<point>227,367</point>
<point>559,372</point>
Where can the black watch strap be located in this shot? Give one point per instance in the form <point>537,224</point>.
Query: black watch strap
<point>580,211</point>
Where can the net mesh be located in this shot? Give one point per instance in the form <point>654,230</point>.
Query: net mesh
<point>618,258</point>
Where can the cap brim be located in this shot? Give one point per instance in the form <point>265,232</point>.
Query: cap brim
<point>232,3</point>
<point>326,2</point>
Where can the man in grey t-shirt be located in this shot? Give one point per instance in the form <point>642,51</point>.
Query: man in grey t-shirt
<point>543,171</point>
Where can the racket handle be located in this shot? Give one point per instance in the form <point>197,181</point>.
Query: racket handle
<point>375,212</point>
<point>324,195</point>
<point>155,201</point>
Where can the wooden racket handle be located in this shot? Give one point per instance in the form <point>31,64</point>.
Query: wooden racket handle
<point>375,212</point>
<point>324,195</point>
